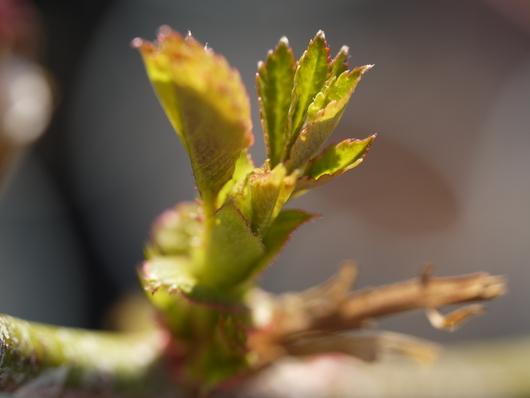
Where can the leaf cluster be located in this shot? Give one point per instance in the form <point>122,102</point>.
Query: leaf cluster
<point>210,251</point>
<point>239,225</point>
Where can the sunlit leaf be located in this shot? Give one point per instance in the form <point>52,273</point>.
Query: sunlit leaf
<point>227,251</point>
<point>279,233</point>
<point>309,79</point>
<point>340,62</point>
<point>275,84</point>
<point>170,272</point>
<point>339,88</point>
<point>323,116</point>
<point>332,162</point>
<point>269,191</point>
<point>244,167</point>
<point>206,103</point>
<point>173,231</point>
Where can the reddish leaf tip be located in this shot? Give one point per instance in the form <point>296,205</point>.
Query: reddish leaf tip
<point>145,268</point>
<point>137,42</point>
<point>164,31</point>
<point>145,47</point>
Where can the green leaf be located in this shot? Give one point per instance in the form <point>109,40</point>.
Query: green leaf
<point>227,355</point>
<point>279,233</point>
<point>170,272</point>
<point>338,88</point>
<point>242,198</point>
<point>227,251</point>
<point>269,191</point>
<point>340,62</point>
<point>244,167</point>
<point>206,103</point>
<point>173,231</point>
<point>332,162</point>
<point>275,84</point>
<point>171,275</point>
<point>323,116</point>
<point>340,157</point>
<point>310,76</point>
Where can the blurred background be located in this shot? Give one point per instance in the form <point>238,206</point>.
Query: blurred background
<point>446,181</point>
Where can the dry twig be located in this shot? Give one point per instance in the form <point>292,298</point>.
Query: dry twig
<point>314,321</point>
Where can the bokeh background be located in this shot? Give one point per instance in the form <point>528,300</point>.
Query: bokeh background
<point>446,182</point>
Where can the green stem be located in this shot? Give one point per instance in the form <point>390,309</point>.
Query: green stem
<point>37,359</point>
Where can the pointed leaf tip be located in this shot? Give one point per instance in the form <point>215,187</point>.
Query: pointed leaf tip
<point>165,30</point>
<point>333,161</point>
<point>340,63</point>
<point>310,77</point>
<point>136,42</point>
<point>274,83</point>
<point>324,113</point>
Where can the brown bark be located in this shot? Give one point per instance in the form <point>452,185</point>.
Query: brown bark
<point>314,321</point>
